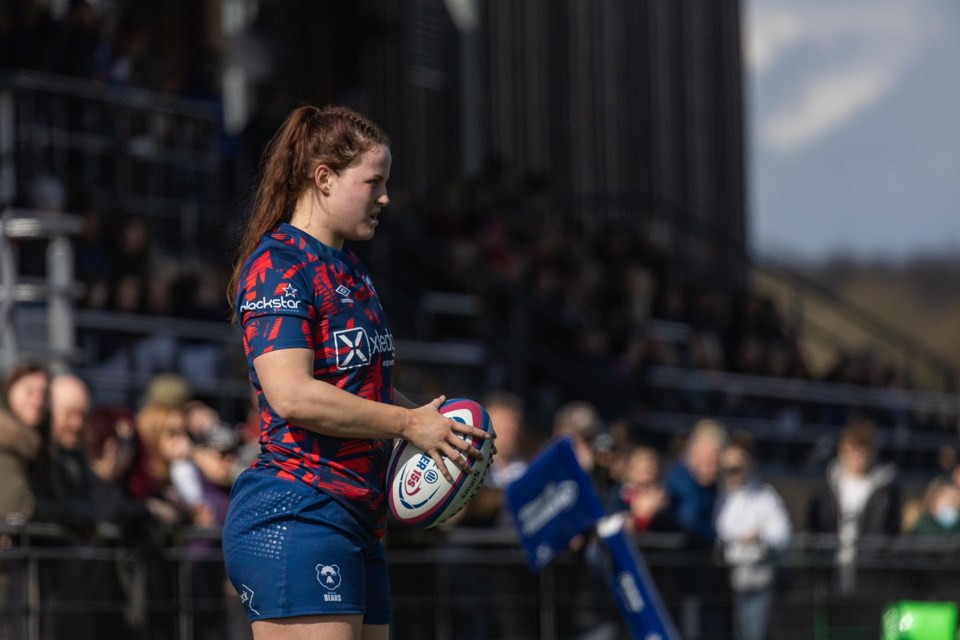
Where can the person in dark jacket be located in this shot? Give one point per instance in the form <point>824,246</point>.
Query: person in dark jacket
<point>692,482</point>
<point>857,498</point>
<point>110,446</point>
<point>692,489</point>
<point>65,482</point>
<point>90,586</point>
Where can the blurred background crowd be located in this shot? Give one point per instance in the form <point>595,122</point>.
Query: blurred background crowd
<point>156,474</point>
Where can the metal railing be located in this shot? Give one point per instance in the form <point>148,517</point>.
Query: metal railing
<point>153,154</point>
<point>462,583</point>
<point>56,290</point>
<point>887,398</point>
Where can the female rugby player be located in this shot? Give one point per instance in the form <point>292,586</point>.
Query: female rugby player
<point>302,537</point>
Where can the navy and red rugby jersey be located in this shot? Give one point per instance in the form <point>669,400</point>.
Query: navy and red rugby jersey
<point>296,292</point>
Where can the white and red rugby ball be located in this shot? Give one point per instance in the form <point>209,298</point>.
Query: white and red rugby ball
<point>420,497</point>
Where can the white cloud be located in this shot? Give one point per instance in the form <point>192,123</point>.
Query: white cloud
<point>825,104</point>
<point>826,63</point>
<point>853,143</point>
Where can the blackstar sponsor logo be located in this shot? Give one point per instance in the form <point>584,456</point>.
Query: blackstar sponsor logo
<point>270,303</point>
<point>287,301</point>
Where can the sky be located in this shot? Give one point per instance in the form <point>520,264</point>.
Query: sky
<point>853,120</point>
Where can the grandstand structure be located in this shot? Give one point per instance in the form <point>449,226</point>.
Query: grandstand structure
<point>627,111</point>
<point>511,122</point>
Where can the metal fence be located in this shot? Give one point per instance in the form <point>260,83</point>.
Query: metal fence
<point>51,296</point>
<point>457,584</point>
<point>134,150</point>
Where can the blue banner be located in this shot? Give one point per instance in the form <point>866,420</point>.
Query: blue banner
<point>552,503</point>
<point>636,594</point>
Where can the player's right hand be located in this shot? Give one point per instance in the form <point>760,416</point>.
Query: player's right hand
<point>438,437</point>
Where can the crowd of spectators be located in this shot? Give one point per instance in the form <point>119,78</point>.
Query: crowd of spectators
<point>104,473</point>
<point>117,43</point>
<point>569,308</point>
<point>708,488</point>
<point>577,307</point>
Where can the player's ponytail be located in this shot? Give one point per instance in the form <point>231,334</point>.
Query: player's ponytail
<point>335,136</point>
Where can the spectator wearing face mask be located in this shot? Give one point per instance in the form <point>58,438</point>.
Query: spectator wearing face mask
<point>941,514</point>
<point>940,522</point>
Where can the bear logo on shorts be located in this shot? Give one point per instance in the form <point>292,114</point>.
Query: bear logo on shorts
<point>328,575</point>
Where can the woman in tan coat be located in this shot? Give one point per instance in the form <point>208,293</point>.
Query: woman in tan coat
<point>23,409</point>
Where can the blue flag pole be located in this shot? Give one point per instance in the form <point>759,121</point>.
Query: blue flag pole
<point>637,596</point>
<point>552,503</point>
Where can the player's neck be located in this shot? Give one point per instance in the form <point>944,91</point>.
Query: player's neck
<point>308,217</point>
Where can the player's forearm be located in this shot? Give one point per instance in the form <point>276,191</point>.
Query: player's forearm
<point>286,377</point>
<point>329,410</point>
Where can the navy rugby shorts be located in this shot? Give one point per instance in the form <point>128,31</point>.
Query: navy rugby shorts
<point>291,550</point>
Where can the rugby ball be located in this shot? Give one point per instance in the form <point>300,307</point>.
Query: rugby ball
<point>420,497</point>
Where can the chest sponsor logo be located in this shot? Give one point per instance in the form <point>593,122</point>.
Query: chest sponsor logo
<point>355,347</point>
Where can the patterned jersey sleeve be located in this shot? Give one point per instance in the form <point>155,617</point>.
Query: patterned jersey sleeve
<point>275,304</point>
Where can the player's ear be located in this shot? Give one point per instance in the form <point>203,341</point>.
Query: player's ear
<point>322,178</point>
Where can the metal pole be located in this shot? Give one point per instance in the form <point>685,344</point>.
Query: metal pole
<point>442,603</point>
<point>8,167</point>
<point>32,591</point>
<point>9,353</point>
<point>548,605</point>
<point>185,595</point>
<point>61,329</point>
